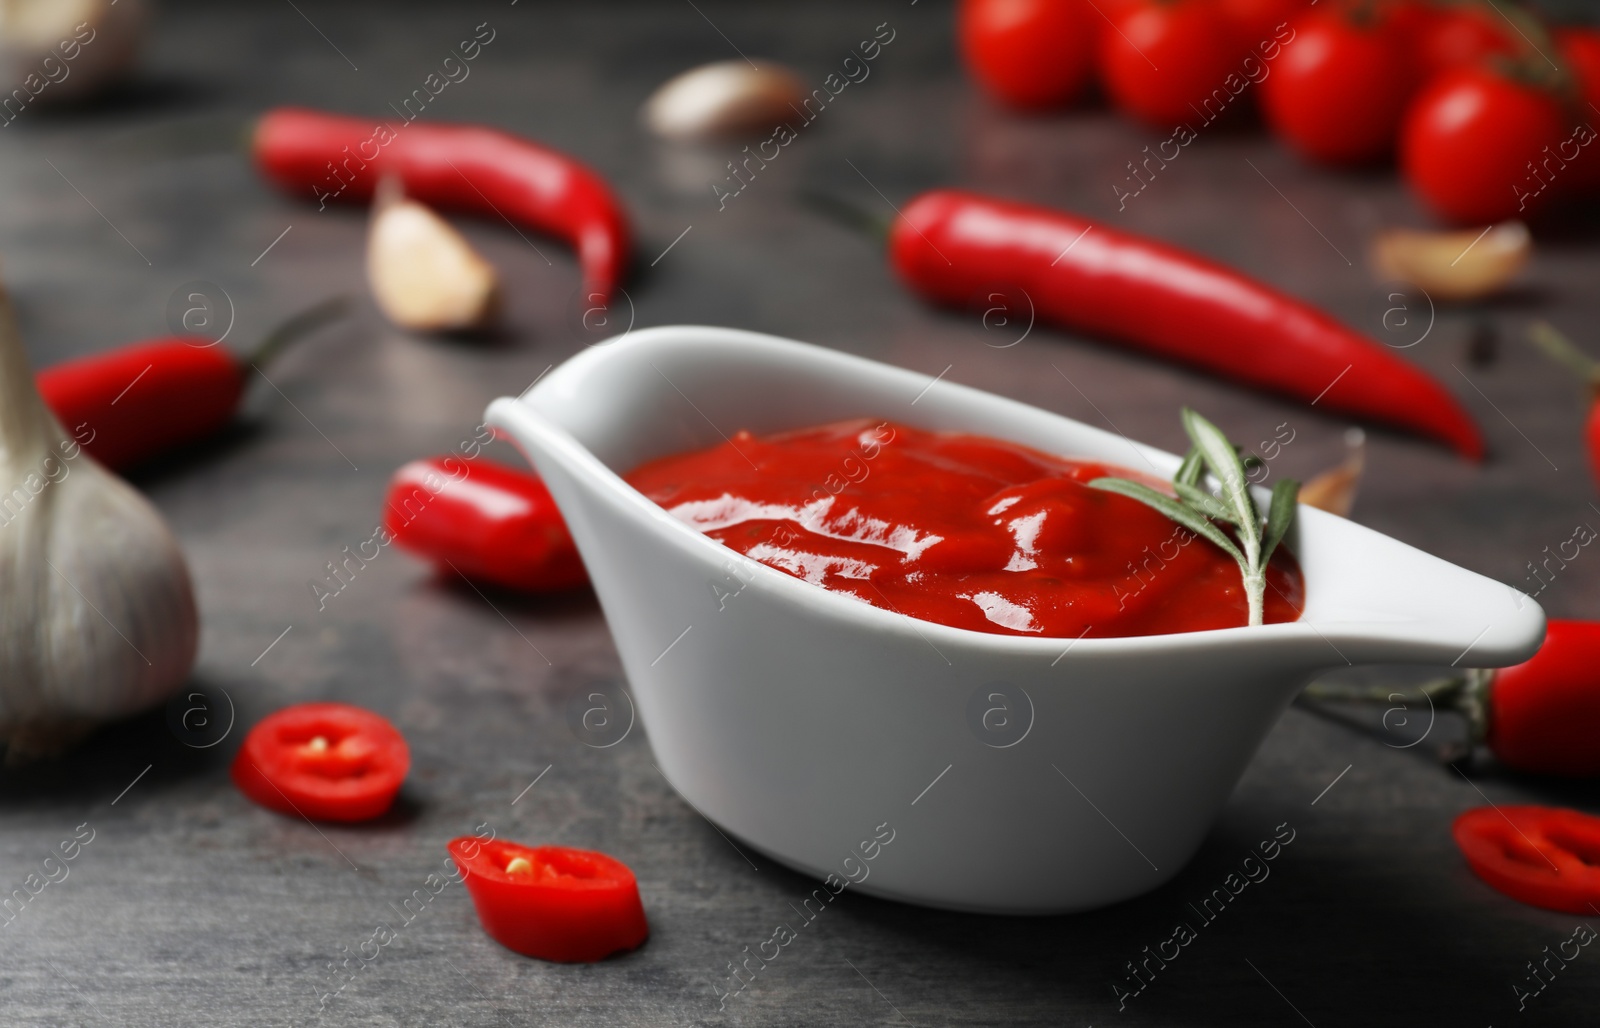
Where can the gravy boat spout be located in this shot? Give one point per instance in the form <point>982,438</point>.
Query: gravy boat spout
<point>916,761</point>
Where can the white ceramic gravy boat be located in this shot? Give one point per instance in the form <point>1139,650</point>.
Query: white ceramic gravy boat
<point>811,726</point>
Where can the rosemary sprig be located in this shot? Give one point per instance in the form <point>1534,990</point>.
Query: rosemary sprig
<point>1199,510</point>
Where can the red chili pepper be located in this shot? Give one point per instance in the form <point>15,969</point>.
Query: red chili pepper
<point>467,168</point>
<point>551,902</point>
<point>1560,348</point>
<point>950,246</point>
<point>489,522</point>
<point>139,401</point>
<point>1543,716</point>
<point>324,761</point>
<point>1543,856</point>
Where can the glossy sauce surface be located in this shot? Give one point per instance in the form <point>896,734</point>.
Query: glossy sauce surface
<point>961,530</point>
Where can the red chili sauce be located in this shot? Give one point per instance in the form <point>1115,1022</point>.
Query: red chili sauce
<point>961,530</point>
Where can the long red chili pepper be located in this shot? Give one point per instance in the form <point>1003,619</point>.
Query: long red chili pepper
<point>1542,716</point>
<point>139,401</point>
<point>949,245</point>
<point>486,521</point>
<point>467,168</point>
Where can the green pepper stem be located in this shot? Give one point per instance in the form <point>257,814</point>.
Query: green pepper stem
<point>1559,348</point>
<point>846,213</point>
<point>295,327</point>
<point>1441,691</point>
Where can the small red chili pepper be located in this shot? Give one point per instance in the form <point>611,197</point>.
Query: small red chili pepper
<point>139,401</point>
<point>551,902</point>
<point>1543,856</point>
<point>486,521</point>
<point>1560,348</point>
<point>467,168</point>
<point>950,246</point>
<point>1543,716</point>
<point>324,761</point>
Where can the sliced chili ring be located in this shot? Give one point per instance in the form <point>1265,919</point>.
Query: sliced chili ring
<point>552,902</point>
<point>1543,856</point>
<point>326,761</point>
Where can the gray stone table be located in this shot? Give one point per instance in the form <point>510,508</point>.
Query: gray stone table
<point>193,907</point>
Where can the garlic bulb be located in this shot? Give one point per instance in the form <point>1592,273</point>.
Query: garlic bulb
<point>722,99</point>
<point>424,274</point>
<point>57,51</point>
<point>97,615</point>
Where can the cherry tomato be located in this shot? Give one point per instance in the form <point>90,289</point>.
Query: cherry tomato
<point>552,902</point>
<point>1467,142</point>
<point>324,761</point>
<point>1543,856</point>
<point>1107,12</point>
<point>1411,18</point>
<point>1337,91</point>
<point>1462,35</point>
<point>1029,53</point>
<point>1256,21</point>
<point>1580,48</point>
<point>1544,715</point>
<point>1165,61</point>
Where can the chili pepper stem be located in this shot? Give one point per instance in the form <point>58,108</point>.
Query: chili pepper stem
<point>294,328</point>
<point>1467,695</point>
<point>1560,349</point>
<point>1472,701</point>
<point>1439,690</point>
<point>189,137</point>
<point>847,214</point>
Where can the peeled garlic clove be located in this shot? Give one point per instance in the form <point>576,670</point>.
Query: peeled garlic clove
<point>63,50</point>
<point>723,99</point>
<point>1335,489</point>
<point>424,274</point>
<point>97,614</point>
<point>1454,265</point>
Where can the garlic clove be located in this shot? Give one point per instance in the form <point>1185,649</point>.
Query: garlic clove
<point>71,48</point>
<point>424,274</point>
<point>97,612</point>
<point>723,99</point>
<point>1334,490</point>
<point>1462,265</point>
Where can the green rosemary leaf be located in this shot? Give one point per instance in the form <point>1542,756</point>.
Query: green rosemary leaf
<point>1191,469</point>
<point>1224,463</point>
<point>1204,502</point>
<point>1189,518</point>
<point>1280,515</point>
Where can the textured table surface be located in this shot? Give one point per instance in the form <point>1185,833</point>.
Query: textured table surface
<point>191,906</point>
